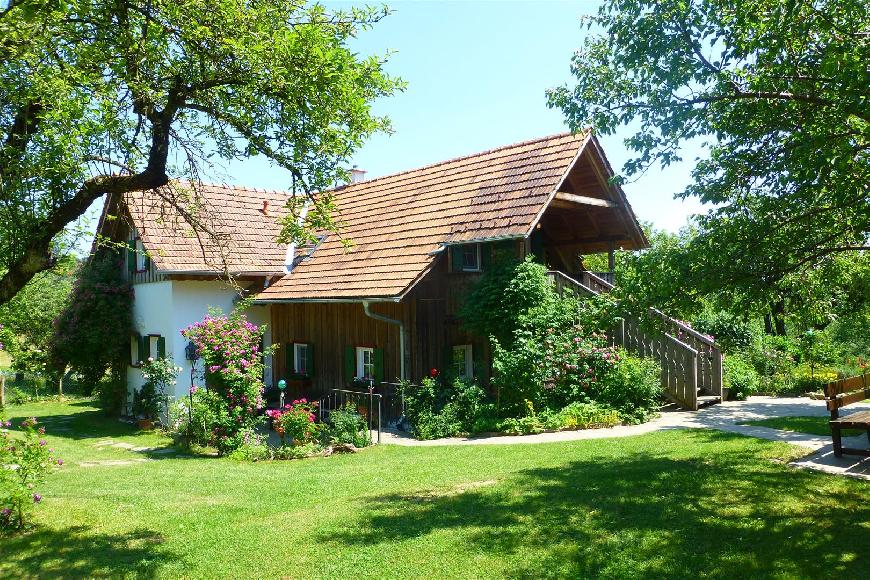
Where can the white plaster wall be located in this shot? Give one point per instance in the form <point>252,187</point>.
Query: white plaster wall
<point>152,314</point>
<point>167,308</point>
<point>191,300</point>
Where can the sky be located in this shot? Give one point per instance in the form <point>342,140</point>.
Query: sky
<point>477,73</point>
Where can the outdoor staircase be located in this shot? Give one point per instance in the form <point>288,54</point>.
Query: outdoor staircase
<point>691,362</point>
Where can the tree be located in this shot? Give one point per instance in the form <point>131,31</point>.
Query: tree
<point>92,333</point>
<point>28,319</point>
<point>779,92</point>
<point>119,96</point>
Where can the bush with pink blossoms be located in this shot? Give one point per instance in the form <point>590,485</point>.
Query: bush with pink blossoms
<point>24,464</point>
<point>230,350</point>
<point>297,421</point>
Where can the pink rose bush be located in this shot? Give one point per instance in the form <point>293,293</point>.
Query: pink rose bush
<point>24,464</point>
<point>229,407</point>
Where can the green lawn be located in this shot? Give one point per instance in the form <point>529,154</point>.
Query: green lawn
<point>672,503</point>
<point>799,424</point>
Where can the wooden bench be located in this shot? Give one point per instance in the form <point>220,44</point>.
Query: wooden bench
<point>839,394</point>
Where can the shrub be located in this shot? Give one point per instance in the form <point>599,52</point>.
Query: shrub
<point>111,393</point>
<point>347,426</point>
<point>740,377</point>
<point>297,451</point>
<point>297,420</point>
<point>196,419</point>
<point>151,400</point>
<point>437,411</point>
<point>587,416</point>
<point>230,349</point>
<point>731,332</point>
<point>92,334</point>
<point>631,386</point>
<point>33,460</point>
<point>807,379</point>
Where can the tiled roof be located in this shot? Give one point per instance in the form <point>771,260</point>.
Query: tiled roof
<point>399,222</point>
<point>245,235</point>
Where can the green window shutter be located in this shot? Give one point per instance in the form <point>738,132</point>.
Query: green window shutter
<point>161,347</point>
<point>135,356</point>
<point>455,258</point>
<point>147,262</point>
<point>349,364</point>
<point>309,360</point>
<point>144,348</point>
<point>131,256</point>
<point>378,355</point>
<point>289,363</point>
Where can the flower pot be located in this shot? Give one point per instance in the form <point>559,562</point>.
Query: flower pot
<point>146,424</point>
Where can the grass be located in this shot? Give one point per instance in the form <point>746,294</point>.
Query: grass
<point>800,424</point>
<point>668,504</point>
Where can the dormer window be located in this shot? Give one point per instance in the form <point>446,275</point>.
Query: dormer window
<point>471,258</point>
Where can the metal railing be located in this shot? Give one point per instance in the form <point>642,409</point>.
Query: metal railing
<point>366,403</point>
<point>690,361</point>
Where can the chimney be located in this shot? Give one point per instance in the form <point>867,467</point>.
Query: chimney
<point>357,175</point>
<point>265,207</point>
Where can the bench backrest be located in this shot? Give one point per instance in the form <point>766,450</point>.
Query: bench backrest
<point>847,391</point>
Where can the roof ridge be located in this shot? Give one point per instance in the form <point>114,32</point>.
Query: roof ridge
<point>233,186</point>
<point>460,158</point>
<point>396,173</point>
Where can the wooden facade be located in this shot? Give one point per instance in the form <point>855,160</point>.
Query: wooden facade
<point>428,312</point>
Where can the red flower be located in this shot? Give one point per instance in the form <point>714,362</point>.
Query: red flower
<point>433,373</point>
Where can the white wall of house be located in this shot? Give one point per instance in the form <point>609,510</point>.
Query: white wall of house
<point>167,308</point>
<point>152,314</point>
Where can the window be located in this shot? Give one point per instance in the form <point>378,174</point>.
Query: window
<point>471,258</point>
<point>144,347</point>
<point>300,358</point>
<point>462,361</point>
<point>365,362</point>
<point>141,257</point>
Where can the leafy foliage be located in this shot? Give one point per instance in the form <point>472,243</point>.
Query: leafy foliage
<point>230,350</point>
<point>150,401</point>
<point>503,293</point>
<point>92,334</point>
<point>347,426</point>
<point>33,460</point>
<point>437,411</point>
<point>101,97</point>
<point>28,319</point>
<point>740,377</point>
<point>777,92</point>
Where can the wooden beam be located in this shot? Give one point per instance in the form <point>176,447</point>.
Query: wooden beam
<point>585,200</point>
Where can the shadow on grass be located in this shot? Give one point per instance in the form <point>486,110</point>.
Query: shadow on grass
<point>723,509</point>
<point>75,552</point>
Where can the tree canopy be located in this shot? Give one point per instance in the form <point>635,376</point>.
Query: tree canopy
<point>124,95</point>
<point>28,319</point>
<point>779,95</point>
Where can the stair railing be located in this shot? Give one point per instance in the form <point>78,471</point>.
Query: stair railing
<point>690,360</point>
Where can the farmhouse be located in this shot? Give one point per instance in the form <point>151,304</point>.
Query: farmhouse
<point>386,307</point>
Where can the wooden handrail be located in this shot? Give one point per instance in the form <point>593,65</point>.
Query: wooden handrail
<point>680,379</point>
